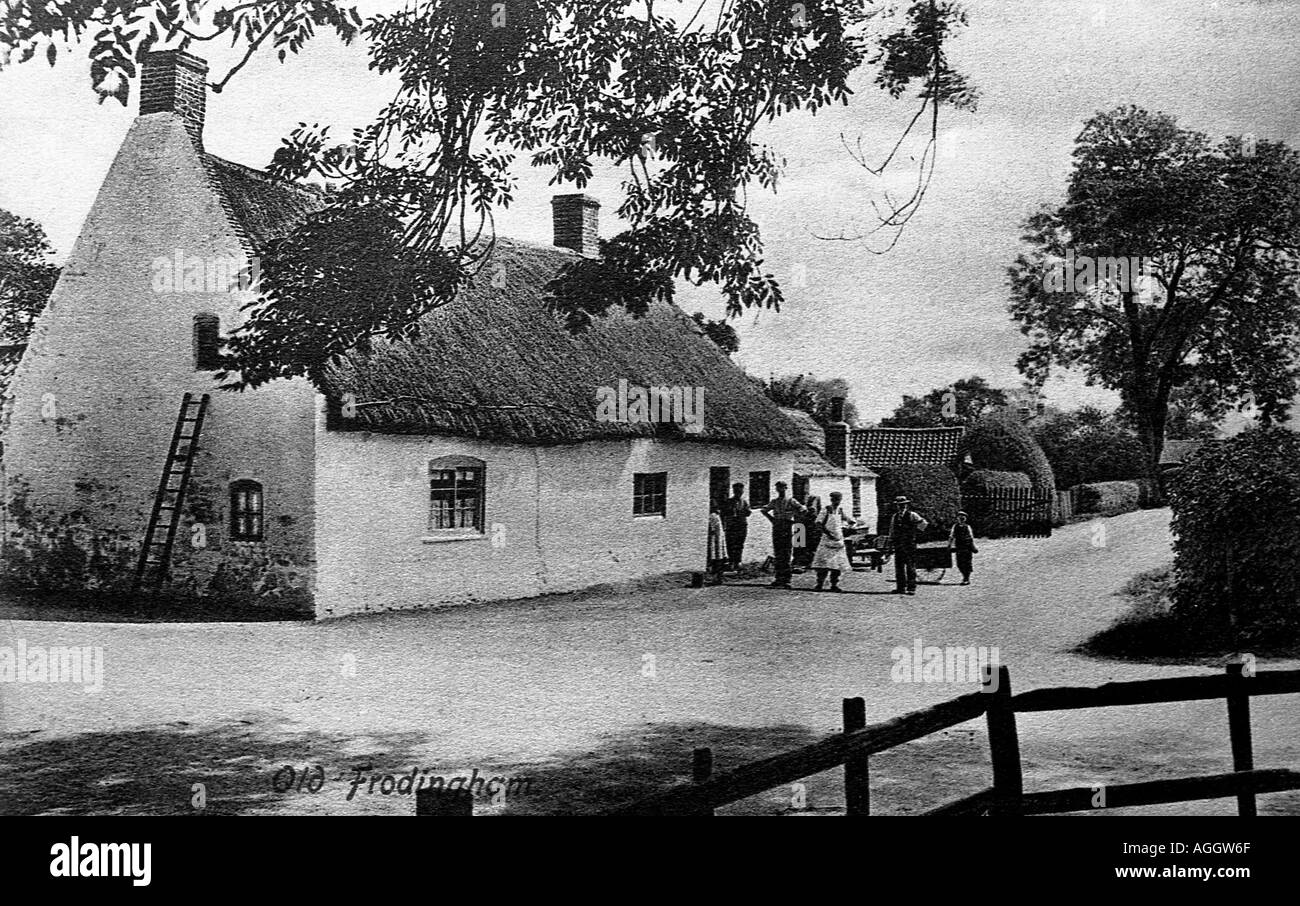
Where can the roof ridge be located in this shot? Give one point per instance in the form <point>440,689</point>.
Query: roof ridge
<point>262,175</point>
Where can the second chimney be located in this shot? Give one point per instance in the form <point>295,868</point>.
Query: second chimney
<point>577,223</point>
<point>837,435</point>
<point>173,81</point>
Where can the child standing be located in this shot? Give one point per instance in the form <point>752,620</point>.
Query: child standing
<point>962,540</point>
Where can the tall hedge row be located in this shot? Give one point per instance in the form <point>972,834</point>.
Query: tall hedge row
<point>1108,498</point>
<point>1236,510</point>
<point>933,490</point>
<point>1000,442</point>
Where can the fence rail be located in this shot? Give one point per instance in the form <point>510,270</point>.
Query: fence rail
<point>853,747</point>
<point>1011,512</point>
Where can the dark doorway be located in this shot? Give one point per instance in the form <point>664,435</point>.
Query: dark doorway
<point>719,485</point>
<point>800,490</point>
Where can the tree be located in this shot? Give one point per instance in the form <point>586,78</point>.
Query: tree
<point>803,391</point>
<point>1089,445</point>
<point>961,403</point>
<point>720,332</point>
<point>672,99</point>
<point>27,276</point>
<point>1214,301</point>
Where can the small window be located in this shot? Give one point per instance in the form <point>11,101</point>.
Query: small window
<point>855,484</point>
<point>207,343</point>
<point>650,494</point>
<point>246,511</point>
<point>456,494</point>
<point>760,488</point>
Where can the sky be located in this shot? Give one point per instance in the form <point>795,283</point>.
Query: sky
<point>929,311</point>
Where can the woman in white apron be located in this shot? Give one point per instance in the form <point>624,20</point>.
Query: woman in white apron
<point>831,556</point>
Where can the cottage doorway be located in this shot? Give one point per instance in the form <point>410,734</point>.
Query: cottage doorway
<point>719,485</point>
<point>800,490</point>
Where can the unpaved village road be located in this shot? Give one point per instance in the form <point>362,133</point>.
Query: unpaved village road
<point>590,700</point>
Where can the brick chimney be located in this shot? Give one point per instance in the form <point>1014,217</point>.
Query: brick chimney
<point>837,435</point>
<point>173,81</point>
<point>577,223</point>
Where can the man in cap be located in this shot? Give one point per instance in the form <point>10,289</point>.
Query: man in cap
<point>782,511</point>
<point>904,527</point>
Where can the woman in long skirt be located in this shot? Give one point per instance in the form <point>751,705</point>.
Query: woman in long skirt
<point>717,546</point>
<point>832,556</point>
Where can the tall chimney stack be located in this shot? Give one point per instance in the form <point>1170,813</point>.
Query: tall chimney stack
<point>173,81</point>
<point>837,435</point>
<point>577,223</point>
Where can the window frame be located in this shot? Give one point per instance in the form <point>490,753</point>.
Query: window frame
<point>207,355</point>
<point>643,496</point>
<point>759,500</point>
<point>244,516</point>
<point>457,464</point>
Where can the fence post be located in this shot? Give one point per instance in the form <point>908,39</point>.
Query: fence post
<point>433,801</point>
<point>701,770</point>
<point>1004,744</point>
<point>857,788</point>
<point>1243,757</point>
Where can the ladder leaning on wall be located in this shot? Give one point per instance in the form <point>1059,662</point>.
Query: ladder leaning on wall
<point>156,552</point>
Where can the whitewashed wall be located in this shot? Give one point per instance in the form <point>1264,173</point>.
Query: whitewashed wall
<point>562,517</point>
<point>97,394</point>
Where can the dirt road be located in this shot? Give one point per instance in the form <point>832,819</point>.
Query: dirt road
<point>588,700</point>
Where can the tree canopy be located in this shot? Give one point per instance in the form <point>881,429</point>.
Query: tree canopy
<point>27,275</point>
<point>960,403</point>
<point>1213,307</point>
<point>812,395</point>
<point>1089,445</point>
<point>670,93</point>
<point>720,332</point>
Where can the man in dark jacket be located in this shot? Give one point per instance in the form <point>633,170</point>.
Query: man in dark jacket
<point>735,523</point>
<point>905,526</point>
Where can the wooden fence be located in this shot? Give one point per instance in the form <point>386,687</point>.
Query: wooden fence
<point>853,748</point>
<point>1010,512</point>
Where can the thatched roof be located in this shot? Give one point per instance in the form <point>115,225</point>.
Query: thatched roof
<point>498,363</point>
<point>261,208</point>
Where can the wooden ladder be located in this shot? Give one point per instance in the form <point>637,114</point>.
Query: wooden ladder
<point>155,554</point>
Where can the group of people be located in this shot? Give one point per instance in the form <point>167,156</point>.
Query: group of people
<point>825,530</point>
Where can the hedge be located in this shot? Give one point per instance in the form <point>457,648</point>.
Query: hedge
<point>999,441</point>
<point>1107,498</point>
<point>1083,452</point>
<point>933,490</point>
<point>1236,508</point>
<point>983,516</point>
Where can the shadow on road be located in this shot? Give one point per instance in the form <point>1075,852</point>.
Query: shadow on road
<point>152,771</point>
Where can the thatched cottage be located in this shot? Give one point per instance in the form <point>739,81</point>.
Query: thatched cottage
<point>494,457</point>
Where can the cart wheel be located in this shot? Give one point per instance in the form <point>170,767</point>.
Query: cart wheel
<point>930,576</point>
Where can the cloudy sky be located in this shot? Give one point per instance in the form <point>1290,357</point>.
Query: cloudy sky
<point>926,313</point>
